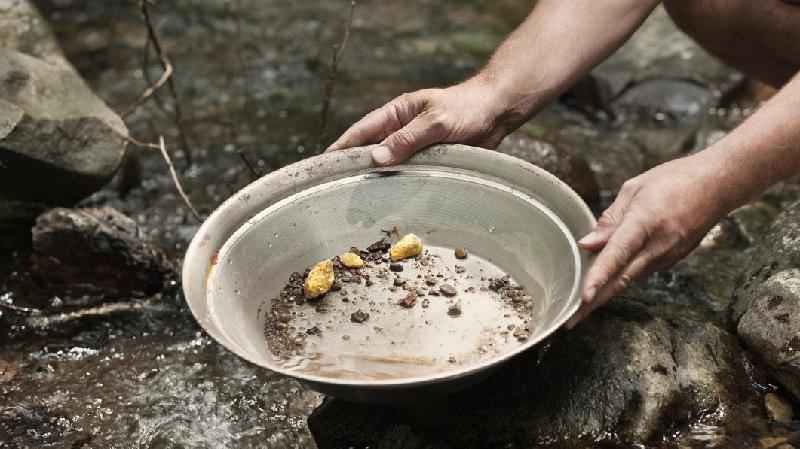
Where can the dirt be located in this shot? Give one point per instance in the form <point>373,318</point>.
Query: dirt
<point>435,278</point>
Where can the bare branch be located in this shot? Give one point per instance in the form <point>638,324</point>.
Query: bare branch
<point>175,179</point>
<point>330,82</point>
<point>166,77</point>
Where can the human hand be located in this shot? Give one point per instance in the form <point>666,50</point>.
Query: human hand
<point>657,218</point>
<point>471,112</point>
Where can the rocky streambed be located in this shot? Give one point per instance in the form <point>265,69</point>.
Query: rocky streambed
<point>98,349</point>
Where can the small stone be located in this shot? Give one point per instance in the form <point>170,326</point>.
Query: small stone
<point>320,279</point>
<point>398,282</point>
<point>451,359</point>
<point>421,292</point>
<point>775,443</point>
<point>409,301</point>
<point>379,246</point>
<point>408,246</point>
<point>454,309</point>
<point>434,293</point>
<point>351,260</point>
<point>448,290</point>
<point>430,280</point>
<point>460,269</point>
<point>778,408</point>
<point>396,267</point>
<point>425,303</point>
<point>313,331</point>
<point>521,334</point>
<point>461,253</point>
<point>359,316</point>
<point>521,299</point>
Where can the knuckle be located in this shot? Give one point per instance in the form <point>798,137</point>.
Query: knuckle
<point>438,120</point>
<point>608,218</point>
<point>404,138</point>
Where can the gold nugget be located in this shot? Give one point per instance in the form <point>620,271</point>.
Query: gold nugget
<point>408,246</point>
<point>319,280</point>
<point>351,260</point>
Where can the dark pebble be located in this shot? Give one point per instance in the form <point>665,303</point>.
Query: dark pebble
<point>359,316</point>
<point>454,310</point>
<point>396,267</point>
<point>448,290</point>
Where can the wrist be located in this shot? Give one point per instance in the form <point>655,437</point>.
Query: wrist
<point>729,177</point>
<point>506,101</point>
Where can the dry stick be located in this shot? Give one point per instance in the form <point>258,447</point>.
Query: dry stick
<point>162,147</point>
<point>330,83</point>
<point>165,63</point>
<point>167,73</point>
<point>175,179</point>
<point>248,164</point>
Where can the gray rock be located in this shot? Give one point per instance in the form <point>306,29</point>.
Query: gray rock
<point>97,252</point>
<point>770,326</point>
<point>767,300</point>
<point>22,28</point>
<point>660,50</point>
<point>565,164</point>
<point>53,128</point>
<point>627,374</point>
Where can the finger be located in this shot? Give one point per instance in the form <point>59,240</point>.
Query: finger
<point>423,131</point>
<point>642,265</point>
<point>381,123</point>
<point>628,239</point>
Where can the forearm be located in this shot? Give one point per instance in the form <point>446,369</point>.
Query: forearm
<point>762,151</point>
<point>558,43</point>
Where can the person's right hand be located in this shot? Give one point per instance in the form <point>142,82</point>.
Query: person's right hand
<point>470,113</point>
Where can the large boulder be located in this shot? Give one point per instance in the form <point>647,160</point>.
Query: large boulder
<point>58,141</point>
<point>97,253</point>
<point>767,307</point>
<point>630,374</point>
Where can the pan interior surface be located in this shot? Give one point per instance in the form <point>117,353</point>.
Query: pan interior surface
<point>505,232</point>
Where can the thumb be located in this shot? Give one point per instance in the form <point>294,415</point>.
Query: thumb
<point>609,221</point>
<point>403,143</point>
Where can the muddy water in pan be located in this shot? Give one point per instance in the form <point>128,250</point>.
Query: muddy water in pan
<point>438,314</point>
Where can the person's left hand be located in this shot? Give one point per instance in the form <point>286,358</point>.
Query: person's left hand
<point>657,218</point>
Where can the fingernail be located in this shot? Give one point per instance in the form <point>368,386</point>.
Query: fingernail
<point>381,155</point>
<point>590,239</point>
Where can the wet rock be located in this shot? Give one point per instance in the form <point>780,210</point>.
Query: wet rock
<point>778,408</point>
<point>22,28</point>
<point>97,252</point>
<point>767,307</point>
<point>52,127</point>
<point>770,326</point>
<point>659,49</point>
<point>565,164</point>
<point>627,374</point>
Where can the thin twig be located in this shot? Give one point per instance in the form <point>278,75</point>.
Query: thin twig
<point>175,179</point>
<point>246,161</point>
<point>330,82</point>
<point>166,65</point>
<point>165,76</point>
